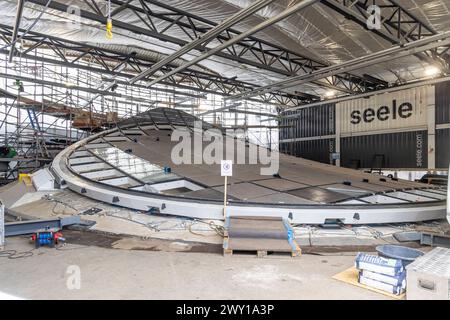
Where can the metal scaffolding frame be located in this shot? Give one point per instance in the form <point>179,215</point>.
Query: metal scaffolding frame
<point>20,4</point>
<point>62,90</point>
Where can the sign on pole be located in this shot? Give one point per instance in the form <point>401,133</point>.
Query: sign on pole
<point>226,168</point>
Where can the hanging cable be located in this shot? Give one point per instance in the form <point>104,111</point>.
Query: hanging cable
<point>109,26</point>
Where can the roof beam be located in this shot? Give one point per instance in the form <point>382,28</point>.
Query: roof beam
<point>211,34</point>
<point>398,25</point>
<point>208,88</point>
<point>284,14</point>
<point>406,86</point>
<point>16,28</point>
<point>221,109</point>
<point>270,56</point>
<point>440,40</point>
<point>198,80</point>
<point>261,114</point>
<point>94,16</point>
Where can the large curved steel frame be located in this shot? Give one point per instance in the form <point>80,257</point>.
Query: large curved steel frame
<point>358,213</point>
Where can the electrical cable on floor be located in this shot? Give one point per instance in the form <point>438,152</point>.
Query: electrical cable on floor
<point>63,212</point>
<point>220,230</point>
<point>63,247</point>
<point>56,201</point>
<point>14,254</point>
<point>148,225</point>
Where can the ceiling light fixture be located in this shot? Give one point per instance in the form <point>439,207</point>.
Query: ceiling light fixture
<point>432,71</point>
<point>330,93</point>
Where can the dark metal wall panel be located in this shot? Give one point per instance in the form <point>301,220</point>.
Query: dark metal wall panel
<point>317,150</point>
<point>443,102</point>
<point>309,122</point>
<point>442,148</point>
<point>401,150</point>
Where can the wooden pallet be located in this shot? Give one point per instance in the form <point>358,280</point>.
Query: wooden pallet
<point>259,253</point>
<point>350,276</point>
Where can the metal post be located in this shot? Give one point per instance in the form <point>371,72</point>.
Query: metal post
<point>431,126</point>
<point>2,225</point>
<point>225,198</point>
<point>448,197</point>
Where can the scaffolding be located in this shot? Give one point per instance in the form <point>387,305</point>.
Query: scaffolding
<point>44,106</point>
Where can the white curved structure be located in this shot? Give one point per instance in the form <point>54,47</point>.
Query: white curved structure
<point>125,166</point>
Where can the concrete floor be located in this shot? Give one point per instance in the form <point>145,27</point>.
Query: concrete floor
<point>138,274</point>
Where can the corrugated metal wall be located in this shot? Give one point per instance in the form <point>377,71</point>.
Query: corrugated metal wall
<point>317,150</point>
<point>310,122</point>
<point>442,148</point>
<point>443,103</point>
<point>400,150</point>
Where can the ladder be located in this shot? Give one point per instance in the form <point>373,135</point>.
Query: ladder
<point>40,139</point>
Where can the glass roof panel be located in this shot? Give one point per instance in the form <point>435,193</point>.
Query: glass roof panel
<point>134,166</point>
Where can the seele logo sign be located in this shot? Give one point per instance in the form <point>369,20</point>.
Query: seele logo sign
<point>383,113</point>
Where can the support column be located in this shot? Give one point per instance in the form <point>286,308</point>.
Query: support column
<point>337,121</point>
<point>431,127</point>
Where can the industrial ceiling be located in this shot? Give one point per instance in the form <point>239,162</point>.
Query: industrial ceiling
<point>311,36</point>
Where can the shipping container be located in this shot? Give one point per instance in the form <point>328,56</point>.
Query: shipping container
<point>402,109</point>
<point>309,122</point>
<point>443,102</point>
<point>442,148</point>
<point>392,150</point>
<point>390,128</point>
<point>318,150</point>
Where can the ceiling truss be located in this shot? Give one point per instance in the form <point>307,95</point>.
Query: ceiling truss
<point>398,25</point>
<point>160,20</point>
<point>109,62</point>
<point>249,51</point>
